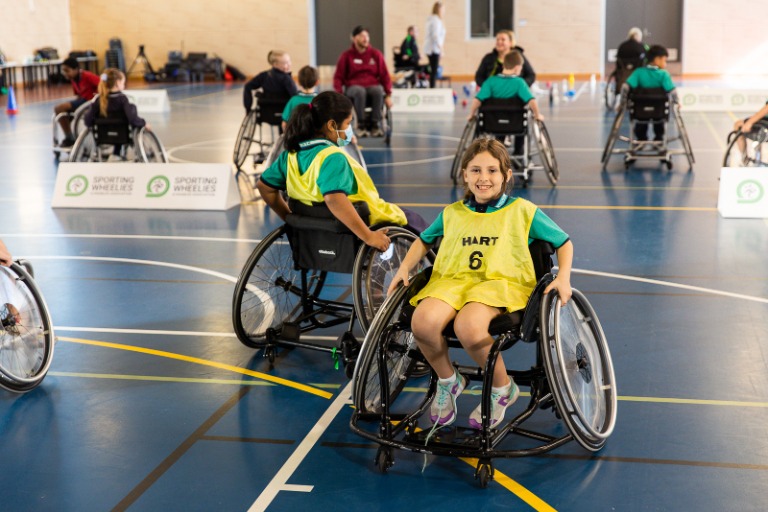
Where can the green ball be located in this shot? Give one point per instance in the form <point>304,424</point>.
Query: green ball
<point>4,90</point>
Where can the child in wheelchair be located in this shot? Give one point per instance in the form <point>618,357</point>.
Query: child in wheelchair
<point>483,269</point>
<point>508,84</point>
<point>309,78</point>
<point>275,81</point>
<point>313,169</point>
<point>652,76</point>
<point>745,125</point>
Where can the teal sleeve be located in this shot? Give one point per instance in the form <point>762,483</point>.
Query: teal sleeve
<point>632,80</point>
<point>288,109</point>
<point>434,231</point>
<point>485,91</point>
<point>275,175</point>
<point>525,93</point>
<point>336,175</point>
<point>667,82</point>
<point>544,228</point>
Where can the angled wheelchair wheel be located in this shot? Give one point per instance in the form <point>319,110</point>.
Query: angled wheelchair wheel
<point>546,152</point>
<point>755,148</point>
<point>78,117</point>
<point>395,339</point>
<point>26,331</point>
<point>150,147</point>
<point>614,135</point>
<point>275,151</point>
<point>684,136</point>
<point>610,92</point>
<point>85,148</point>
<point>387,126</point>
<point>467,136</point>
<point>268,291</point>
<point>374,270</point>
<point>244,138</point>
<point>579,368</point>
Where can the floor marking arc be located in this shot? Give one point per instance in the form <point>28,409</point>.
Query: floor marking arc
<point>214,364</point>
<point>132,237</point>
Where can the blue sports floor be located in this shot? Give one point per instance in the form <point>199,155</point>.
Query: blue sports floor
<point>152,404</point>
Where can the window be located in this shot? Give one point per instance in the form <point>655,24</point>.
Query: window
<point>487,17</point>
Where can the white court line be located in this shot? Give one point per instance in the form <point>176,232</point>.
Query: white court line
<point>137,237</point>
<point>409,162</point>
<point>581,90</point>
<point>279,482</point>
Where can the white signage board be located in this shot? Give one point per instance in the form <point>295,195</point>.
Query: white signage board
<point>743,193</point>
<point>149,101</point>
<point>704,99</point>
<point>145,186</point>
<point>421,101</point>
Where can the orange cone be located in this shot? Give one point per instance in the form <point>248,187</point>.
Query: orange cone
<point>12,109</point>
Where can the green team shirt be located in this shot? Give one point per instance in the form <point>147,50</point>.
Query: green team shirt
<point>295,101</point>
<point>505,86</point>
<point>650,77</point>
<point>336,174</point>
<point>542,227</point>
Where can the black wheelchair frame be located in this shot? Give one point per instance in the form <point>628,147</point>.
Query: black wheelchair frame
<point>755,148</point>
<point>267,109</point>
<point>536,324</point>
<point>624,68</point>
<point>367,123</point>
<point>653,105</point>
<point>77,123</point>
<point>312,234</point>
<point>110,133</point>
<point>510,117</point>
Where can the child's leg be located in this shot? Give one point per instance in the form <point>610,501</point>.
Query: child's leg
<point>740,142</point>
<point>471,328</point>
<point>429,320</point>
<point>658,131</point>
<point>641,131</point>
<point>64,120</point>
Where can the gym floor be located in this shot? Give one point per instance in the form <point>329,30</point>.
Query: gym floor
<point>153,404</point>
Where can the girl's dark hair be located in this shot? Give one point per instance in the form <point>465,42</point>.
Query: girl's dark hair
<point>493,147</point>
<point>308,119</point>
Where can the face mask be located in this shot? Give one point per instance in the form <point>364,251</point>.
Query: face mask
<point>348,133</point>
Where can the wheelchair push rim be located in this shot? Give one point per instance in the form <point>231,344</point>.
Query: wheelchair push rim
<point>755,149</point>
<point>579,368</point>
<point>610,92</point>
<point>268,290</point>
<point>152,150</point>
<point>467,136</point>
<point>244,138</point>
<point>26,331</point>
<point>546,152</point>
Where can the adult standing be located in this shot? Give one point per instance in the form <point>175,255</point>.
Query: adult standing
<point>493,63</point>
<point>361,72</point>
<point>433,41</point>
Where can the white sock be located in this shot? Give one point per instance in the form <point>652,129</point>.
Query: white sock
<point>503,389</point>
<point>445,382</point>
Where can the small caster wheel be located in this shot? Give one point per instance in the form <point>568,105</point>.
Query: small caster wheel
<point>627,164</point>
<point>485,476</point>
<point>384,459</point>
<point>349,370</point>
<point>525,183</point>
<point>669,164</point>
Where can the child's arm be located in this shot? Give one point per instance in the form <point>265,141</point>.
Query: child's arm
<point>341,207</point>
<point>562,282</point>
<point>747,126</point>
<point>535,108</point>
<point>273,199</point>
<point>5,256</point>
<point>415,254</point>
<point>473,109</point>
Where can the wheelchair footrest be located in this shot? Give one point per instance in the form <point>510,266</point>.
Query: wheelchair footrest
<point>259,158</point>
<point>349,346</point>
<point>453,436</point>
<point>291,331</point>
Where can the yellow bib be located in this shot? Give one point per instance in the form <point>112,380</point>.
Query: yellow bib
<point>484,257</point>
<point>303,187</point>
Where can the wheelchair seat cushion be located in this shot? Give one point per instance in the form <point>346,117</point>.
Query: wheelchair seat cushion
<point>271,108</point>
<point>503,116</point>
<point>649,104</point>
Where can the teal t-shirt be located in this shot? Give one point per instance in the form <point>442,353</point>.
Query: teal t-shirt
<point>542,227</point>
<point>302,97</point>
<point>505,86</point>
<point>335,175</point>
<point>650,77</point>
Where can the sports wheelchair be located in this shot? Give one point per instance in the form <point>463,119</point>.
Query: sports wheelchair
<point>76,122</point>
<point>754,144</point>
<point>267,109</point>
<point>624,68</point>
<point>26,330</point>
<point>115,137</point>
<point>277,296</point>
<point>511,117</point>
<point>408,74</point>
<point>651,105</point>
<point>573,376</point>
<point>367,123</point>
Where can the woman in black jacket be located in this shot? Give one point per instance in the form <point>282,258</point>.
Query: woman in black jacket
<point>493,63</point>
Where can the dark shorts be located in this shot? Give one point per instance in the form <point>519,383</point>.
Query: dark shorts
<point>415,221</point>
<point>76,103</point>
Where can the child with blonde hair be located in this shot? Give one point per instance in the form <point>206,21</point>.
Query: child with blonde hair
<point>275,81</point>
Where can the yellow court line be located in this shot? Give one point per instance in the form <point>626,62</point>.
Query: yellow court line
<point>559,187</point>
<point>170,355</point>
<point>712,129</point>
<point>733,116</point>
<point>517,489</point>
<point>161,379</point>
<point>587,207</point>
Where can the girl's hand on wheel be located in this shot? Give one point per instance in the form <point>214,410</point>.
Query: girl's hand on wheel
<point>563,288</point>
<point>149,128</point>
<point>402,275</point>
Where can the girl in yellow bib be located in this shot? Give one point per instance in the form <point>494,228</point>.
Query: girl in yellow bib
<point>483,269</point>
<point>314,169</point>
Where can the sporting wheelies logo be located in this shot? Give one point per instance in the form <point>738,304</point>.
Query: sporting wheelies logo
<point>158,186</point>
<point>77,185</point>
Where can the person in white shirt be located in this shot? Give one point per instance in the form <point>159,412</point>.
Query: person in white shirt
<point>433,41</point>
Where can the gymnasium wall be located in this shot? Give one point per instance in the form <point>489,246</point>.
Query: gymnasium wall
<point>240,31</point>
<point>23,31</point>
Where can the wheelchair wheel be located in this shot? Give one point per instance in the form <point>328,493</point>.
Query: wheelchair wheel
<point>26,331</point>
<point>469,134</point>
<point>546,152</point>
<point>579,368</point>
<point>755,149</point>
<point>244,139</point>
<point>614,135</point>
<point>150,147</point>
<point>78,117</point>
<point>610,92</point>
<point>386,121</point>
<point>268,291</point>
<point>385,333</point>
<point>85,148</point>
<point>275,151</point>
<point>684,136</point>
<point>374,270</point>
